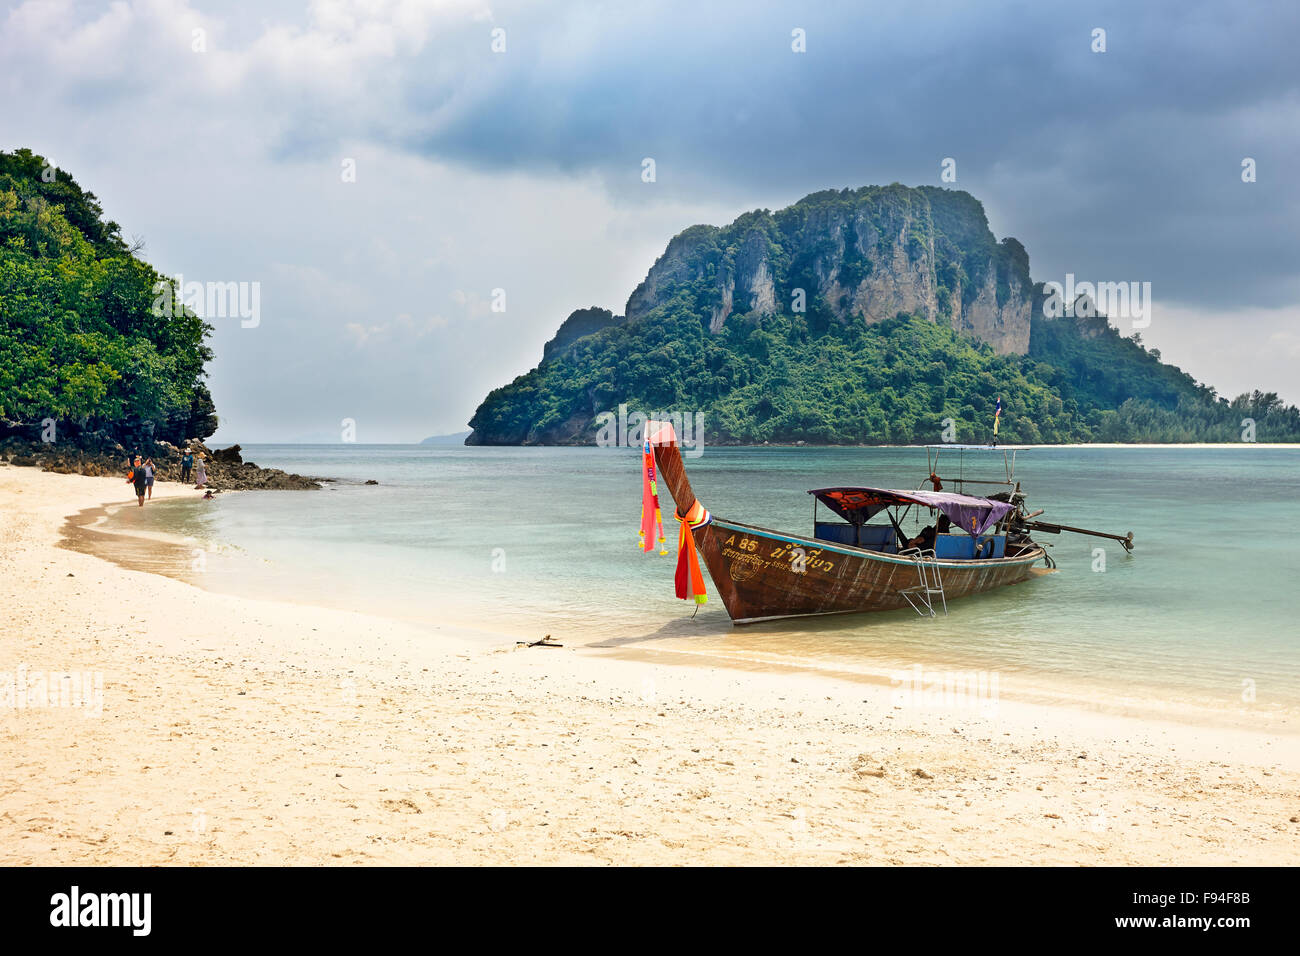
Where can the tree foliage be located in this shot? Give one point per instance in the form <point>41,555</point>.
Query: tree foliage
<point>79,337</point>
<point>774,378</point>
<point>701,337</point>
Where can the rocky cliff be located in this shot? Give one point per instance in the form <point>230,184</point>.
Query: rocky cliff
<point>860,255</point>
<point>100,454</point>
<point>580,323</point>
<point>875,315</point>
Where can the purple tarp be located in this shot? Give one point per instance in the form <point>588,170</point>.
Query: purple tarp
<point>856,505</point>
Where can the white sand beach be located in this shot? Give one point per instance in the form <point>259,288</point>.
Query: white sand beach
<point>238,731</point>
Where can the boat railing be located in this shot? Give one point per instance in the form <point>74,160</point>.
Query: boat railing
<point>929,582</point>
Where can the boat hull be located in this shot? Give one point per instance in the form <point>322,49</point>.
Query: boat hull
<point>763,574</point>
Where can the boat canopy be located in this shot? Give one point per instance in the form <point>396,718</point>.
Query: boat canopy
<point>973,515</point>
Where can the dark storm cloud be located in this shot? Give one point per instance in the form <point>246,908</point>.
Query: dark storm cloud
<point>1122,164</point>
<point>521,170</point>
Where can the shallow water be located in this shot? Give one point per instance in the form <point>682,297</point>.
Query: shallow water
<point>543,540</point>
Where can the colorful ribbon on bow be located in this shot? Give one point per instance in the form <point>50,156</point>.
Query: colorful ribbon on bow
<point>689,578</point>
<point>650,514</point>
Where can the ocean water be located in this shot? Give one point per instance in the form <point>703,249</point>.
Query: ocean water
<point>536,541</point>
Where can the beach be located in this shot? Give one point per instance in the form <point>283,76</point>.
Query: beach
<point>230,730</point>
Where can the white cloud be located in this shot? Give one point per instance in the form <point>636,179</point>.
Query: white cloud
<point>362,333</point>
<point>1234,350</point>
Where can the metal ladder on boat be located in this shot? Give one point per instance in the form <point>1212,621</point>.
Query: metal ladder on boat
<point>921,596</point>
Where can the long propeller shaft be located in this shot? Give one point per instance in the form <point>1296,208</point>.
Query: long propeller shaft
<point>1126,540</point>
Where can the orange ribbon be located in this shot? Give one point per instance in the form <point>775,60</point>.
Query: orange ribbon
<point>689,578</point>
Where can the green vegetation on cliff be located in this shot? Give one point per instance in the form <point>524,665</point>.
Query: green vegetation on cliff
<point>79,340</point>
<point>865,253</point>
<point>713,329</point>
<point>772,379</point>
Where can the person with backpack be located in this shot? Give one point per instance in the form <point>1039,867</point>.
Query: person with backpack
<point>136,476</point>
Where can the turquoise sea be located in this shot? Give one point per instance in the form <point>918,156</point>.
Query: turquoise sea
<point>535,541</point>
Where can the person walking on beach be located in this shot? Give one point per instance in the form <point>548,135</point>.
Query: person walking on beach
<point>137,477</point>
<point>200,472</point>
<point>149,467</point>
<point>187,463</point>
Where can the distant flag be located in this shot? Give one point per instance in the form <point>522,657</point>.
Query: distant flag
<point>997,414</point>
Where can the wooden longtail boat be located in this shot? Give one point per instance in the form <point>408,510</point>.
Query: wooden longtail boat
<point>852,566</point>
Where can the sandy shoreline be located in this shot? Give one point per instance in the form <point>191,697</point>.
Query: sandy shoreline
<point>111,533</point>
<point>254,732</point>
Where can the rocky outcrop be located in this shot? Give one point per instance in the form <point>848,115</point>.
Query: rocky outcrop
<point>900,275</point>
<point>231,455</point>
<point>864,255</point>
<point>744,283</point>
<point>831,261</point>
<point>1001,320</point>
<point>99,454</point>
<point>580,323</point>
<point>869,316</point>
<point>748,284</point>
<point>681,263</point>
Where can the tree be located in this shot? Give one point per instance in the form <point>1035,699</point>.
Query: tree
<point>79,339</point>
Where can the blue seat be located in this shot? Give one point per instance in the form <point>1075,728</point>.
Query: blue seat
<point>962,546</point>
<point>835,531</point>
<point>873,537</point>
<point>876,536</point>
<point>954,546</point>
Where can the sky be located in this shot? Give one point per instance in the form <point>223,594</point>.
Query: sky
<point>386,171</point>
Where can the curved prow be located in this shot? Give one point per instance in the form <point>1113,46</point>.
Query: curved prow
<point>669,464</point>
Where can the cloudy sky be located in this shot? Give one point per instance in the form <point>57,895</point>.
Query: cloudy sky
<point>220,133</point>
